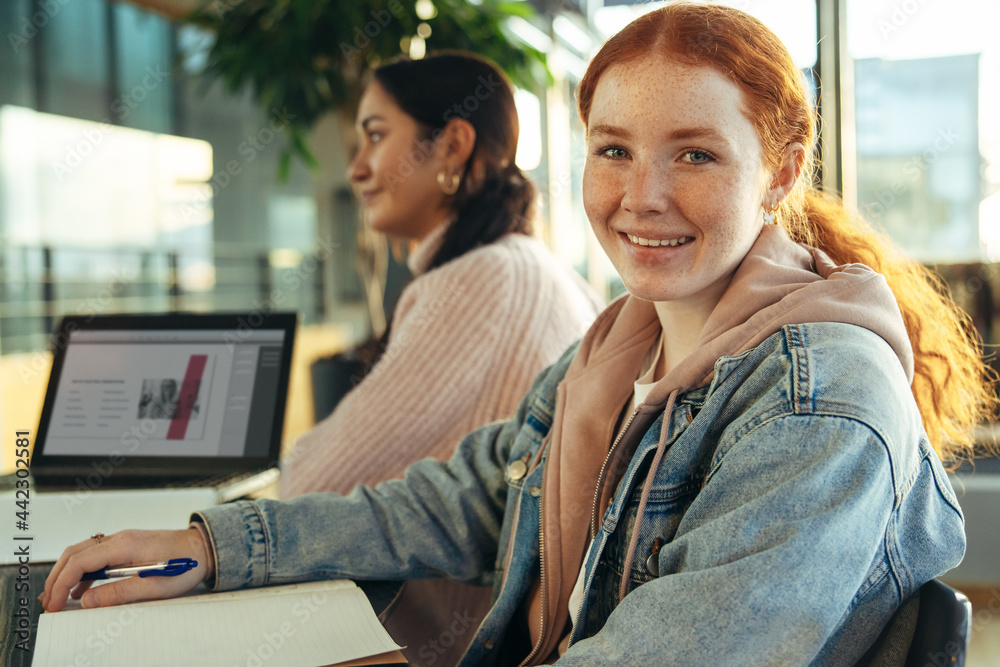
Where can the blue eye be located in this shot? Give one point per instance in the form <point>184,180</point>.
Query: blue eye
<point>698,157</point>
<point>613,152</point>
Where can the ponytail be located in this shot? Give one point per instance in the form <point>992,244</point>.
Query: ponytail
<point>502,205</point>
<point>953,388</point>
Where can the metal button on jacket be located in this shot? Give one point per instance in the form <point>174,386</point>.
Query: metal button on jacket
<point>653,562</point>
<point>517,469</point>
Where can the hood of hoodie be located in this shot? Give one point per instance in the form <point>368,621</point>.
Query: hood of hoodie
<point>779,282</point>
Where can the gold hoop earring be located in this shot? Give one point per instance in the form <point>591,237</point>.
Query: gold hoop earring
<point>451,188</point>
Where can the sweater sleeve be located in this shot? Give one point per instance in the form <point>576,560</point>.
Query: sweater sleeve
<point>418,399</point>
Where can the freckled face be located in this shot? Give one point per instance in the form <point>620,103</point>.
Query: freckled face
<point>674,179</point>
<point>394,172</point>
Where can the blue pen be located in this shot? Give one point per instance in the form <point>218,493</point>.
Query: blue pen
<point>170,568</point>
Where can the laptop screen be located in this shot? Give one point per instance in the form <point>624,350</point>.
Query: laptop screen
<point>177,392</point>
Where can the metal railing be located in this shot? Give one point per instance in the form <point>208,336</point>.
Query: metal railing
<point>41,283</point>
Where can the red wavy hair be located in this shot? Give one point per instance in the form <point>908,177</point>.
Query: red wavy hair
<point>952,386</point>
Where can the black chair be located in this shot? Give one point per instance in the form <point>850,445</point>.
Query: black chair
<point>930,629</point>
<point>944,622</point>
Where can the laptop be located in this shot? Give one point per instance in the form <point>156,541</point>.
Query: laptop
<point>165,400</point>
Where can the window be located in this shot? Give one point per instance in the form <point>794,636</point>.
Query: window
<point>76,59</point>
<point>928,136</point>
<point>19,31</point>
<point>142,97</point>
<point>88,210</point>
<point>123,187</point>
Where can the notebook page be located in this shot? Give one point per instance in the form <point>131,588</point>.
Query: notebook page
<point>201,595</point>
<point>318,624</point>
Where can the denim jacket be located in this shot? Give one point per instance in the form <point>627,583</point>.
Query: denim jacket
<point>791,514</point>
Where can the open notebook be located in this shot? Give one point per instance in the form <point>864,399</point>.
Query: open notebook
<point>298,625</point>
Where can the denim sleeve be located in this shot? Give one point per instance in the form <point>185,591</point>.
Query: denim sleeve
<point>441,519</point>
<point>768,558</point>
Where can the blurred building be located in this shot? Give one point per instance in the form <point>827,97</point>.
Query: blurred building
<point>919,165</point>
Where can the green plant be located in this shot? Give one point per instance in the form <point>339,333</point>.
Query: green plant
<point>308,57</point>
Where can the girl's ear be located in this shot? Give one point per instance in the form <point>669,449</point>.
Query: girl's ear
<point>456,141</point>
<point>787,175</point>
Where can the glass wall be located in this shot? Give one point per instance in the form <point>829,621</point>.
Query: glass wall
<point>16,53</point>
<point>126,187</point>
<point>143,46</point>
<point>73,49</point>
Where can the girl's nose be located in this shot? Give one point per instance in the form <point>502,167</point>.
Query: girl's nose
<point>358,169</point>
<point>646,189</point>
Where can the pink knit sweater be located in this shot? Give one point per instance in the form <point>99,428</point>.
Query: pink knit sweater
<point>468,338</point>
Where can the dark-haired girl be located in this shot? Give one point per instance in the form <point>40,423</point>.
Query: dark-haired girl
<point>490,306</point>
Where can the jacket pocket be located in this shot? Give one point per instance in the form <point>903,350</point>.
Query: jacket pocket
<point>664,510</point>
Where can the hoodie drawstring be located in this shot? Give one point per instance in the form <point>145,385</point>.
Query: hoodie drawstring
<point>661,447</point>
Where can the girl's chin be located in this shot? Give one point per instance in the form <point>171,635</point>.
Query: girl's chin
<point>377,224</point>
<point>654,291</point>
<point>649,293</point>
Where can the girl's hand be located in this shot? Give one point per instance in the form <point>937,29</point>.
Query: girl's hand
<point>129,547</point>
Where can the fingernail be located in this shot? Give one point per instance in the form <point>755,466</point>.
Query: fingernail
<point>87,601</point>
